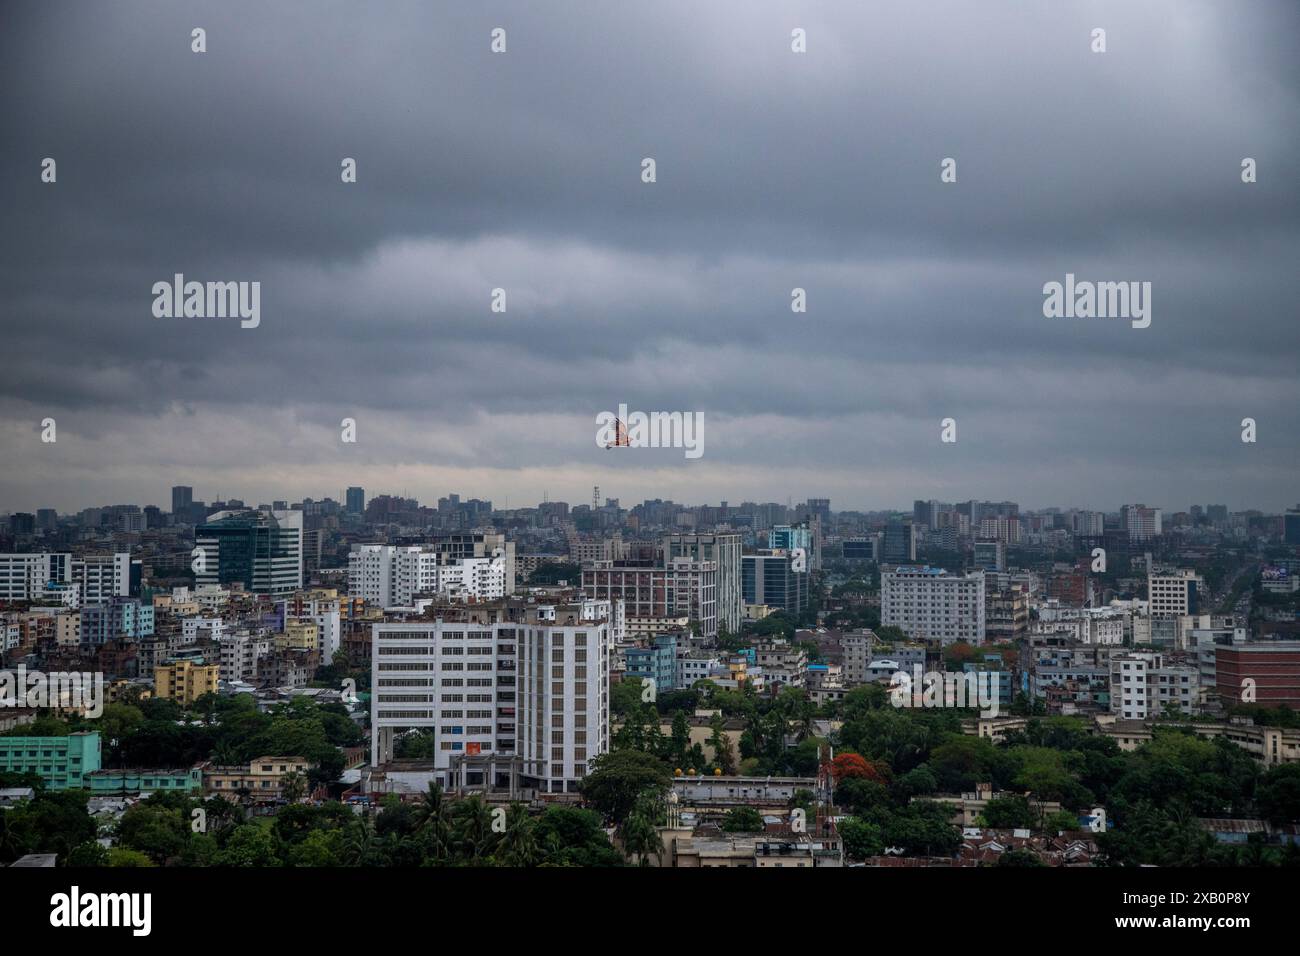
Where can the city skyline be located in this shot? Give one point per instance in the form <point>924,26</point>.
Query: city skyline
<point>791,501</point>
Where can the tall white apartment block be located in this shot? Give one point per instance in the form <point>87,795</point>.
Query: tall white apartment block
<point>1001,528</point>
<point>25,576</point>
<point>102,577</point>
<point>931,604</point>
<point>1141,522</point>
<point>1173,594</point>
<point>1142,685</point>
<point>506,679</point>
<point>389,576</point>
<point>563,704</point>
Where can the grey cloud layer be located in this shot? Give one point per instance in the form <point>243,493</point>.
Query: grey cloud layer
<point>775,171</point>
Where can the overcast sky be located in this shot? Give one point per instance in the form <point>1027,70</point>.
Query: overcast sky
<point>522,171</point>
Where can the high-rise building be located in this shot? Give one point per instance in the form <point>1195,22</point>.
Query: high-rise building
<point>681,587</point>
<point>116,618</point>
<point>355,500</point>
<point>477,544</point>
<point>657,662</point>
<point>262,550</point>
<point>991,555</point>
<point>724,550</point>
<point>182,498</point>
<point>1141,522</point>
<point>771,579</point>
<point>527,684</point>
<point>860,549</point>
<point>1291,525</point>
<point>931,604</point>
<point>185,681</point>
<point>1006,615</point>
<point>1174,594</point>
<point>899,543</point>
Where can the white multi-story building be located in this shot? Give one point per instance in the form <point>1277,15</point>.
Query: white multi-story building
<point>389,576</point>
<point>695,667</point>
<point>240,654</point>
<point>680,587</point>
<point>1173,594</point>
<point>507,679</point>
<point>1141,522</point>
<point>194,626</point>
<point>102,577</point>
<point>25,576</point>
<point>1143,684</point>
<point>931,604</point>
<point>1005,528</point>
<point>1088,625</point>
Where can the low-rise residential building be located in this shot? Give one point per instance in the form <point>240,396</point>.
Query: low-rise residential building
<point>133,781</point>
<point>261,780</point>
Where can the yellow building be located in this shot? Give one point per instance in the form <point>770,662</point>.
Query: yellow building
<point>298,635</point>
<point>185,681</point>
<point>262,780</point>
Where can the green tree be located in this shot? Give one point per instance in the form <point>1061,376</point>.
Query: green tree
<point>617,779</point>
<point>743,820</point>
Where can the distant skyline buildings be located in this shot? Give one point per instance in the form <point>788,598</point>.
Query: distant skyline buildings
<point>922,513</point>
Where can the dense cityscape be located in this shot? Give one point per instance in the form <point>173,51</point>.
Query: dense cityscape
<point>464,464</point>
<point>374,682</point>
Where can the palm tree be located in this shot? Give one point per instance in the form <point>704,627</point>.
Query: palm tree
<point>293,786</point>
<point>520,840</point>
<point>474,829</point>
<point>641,836</point>
<point>360,841</point>
<point>433,819</point>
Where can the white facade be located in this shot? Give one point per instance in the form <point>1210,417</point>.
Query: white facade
<point>388,576</point>
<point>691,669</point>
<point>102,577</point>
<point>192,624</point>
<point>1171,595</point>
<point>24,576</point>
<point>931,604</point>
<point>1141,522</point>
<point>240,653</point>
<point>536,689</point>
<point>1142,684</point>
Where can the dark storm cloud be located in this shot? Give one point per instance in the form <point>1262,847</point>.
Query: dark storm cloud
<point>775,171</point>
